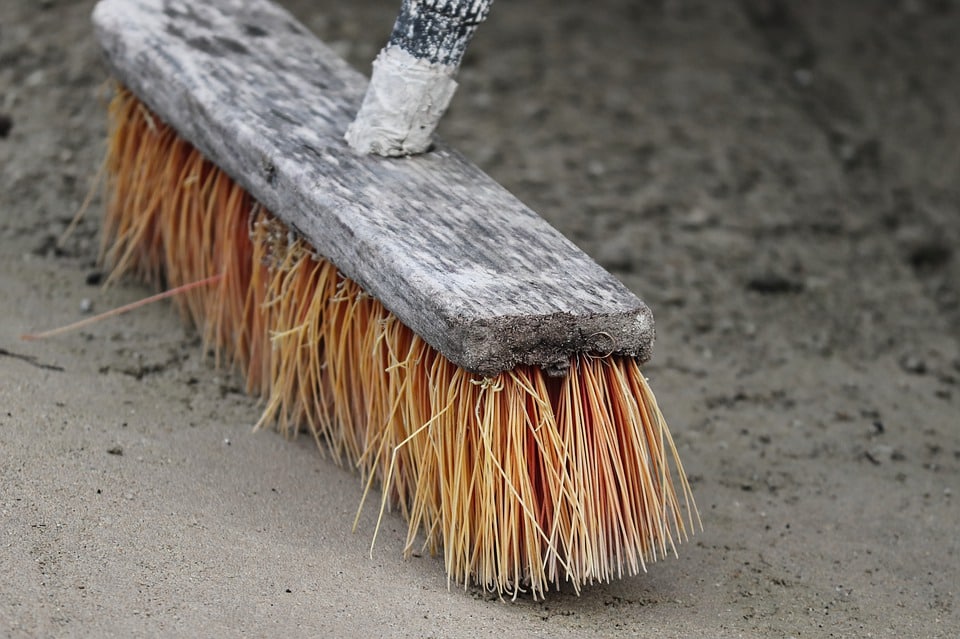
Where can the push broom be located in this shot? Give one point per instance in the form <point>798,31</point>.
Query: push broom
<point>410,313</point>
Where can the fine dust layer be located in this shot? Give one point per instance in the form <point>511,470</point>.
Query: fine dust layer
<point>777,180</point>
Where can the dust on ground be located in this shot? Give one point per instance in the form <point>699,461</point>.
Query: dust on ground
<point>777,180</point>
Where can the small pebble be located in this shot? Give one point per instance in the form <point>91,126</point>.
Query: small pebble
<point>803,77</point>
<point>86,305</point>
<point>36,78</point>
<point>913,364</point>
<point>696,218</point>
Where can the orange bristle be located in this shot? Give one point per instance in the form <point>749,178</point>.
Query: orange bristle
<point>523,480</point>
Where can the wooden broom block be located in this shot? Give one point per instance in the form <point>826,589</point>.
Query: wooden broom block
<point>456,257</point>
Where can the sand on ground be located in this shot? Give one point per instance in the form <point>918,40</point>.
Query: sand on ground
<point>777,180</point>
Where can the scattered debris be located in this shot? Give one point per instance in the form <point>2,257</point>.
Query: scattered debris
<point>774,284</point>
<point>30,359</point>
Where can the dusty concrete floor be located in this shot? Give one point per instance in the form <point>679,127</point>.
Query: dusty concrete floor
<point>780,184</point>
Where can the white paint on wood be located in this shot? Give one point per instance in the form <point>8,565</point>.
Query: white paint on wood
<point>403,105</point>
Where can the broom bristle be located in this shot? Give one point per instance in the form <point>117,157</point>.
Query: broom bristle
<point>525,481</point>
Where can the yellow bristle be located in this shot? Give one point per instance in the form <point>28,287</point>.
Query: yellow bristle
<point>523,480</point>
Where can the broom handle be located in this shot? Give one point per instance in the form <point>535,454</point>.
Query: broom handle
<point>413,77</point>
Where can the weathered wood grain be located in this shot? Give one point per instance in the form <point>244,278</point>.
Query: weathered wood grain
<point>456,257</point>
